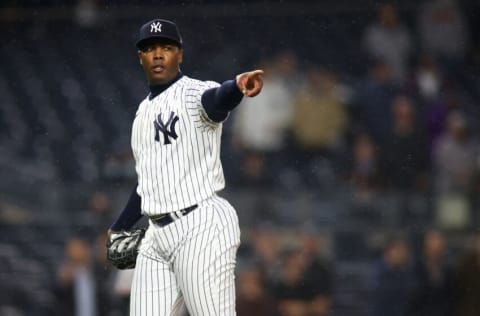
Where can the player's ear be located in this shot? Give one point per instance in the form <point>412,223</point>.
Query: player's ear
<point>180,56</point>
<point>139,54</point>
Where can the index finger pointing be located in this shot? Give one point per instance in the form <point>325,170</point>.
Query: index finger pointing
<point>255,73</point>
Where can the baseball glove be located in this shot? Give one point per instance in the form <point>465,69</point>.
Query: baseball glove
<point>122,248</point>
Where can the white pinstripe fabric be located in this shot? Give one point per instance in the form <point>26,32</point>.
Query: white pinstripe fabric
<point>190,261</point>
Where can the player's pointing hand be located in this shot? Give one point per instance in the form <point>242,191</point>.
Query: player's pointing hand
<point>250,83</point>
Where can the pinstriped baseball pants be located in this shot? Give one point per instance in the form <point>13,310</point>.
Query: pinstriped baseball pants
<point>189,264</point>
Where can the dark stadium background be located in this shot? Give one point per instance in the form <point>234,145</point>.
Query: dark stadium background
<point>69,87</point>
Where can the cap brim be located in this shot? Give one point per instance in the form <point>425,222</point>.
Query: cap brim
<point>141,43</point>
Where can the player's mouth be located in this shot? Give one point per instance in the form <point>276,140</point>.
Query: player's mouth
<point>158,69</point>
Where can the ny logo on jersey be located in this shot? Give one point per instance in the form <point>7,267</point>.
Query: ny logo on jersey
<point>167,129</point>
<point>156,27</point>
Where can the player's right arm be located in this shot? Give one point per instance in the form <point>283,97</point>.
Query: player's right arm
<point>130,214</point>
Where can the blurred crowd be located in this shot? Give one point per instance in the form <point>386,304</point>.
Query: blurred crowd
<point>293,273</point>
<point>408,126</point>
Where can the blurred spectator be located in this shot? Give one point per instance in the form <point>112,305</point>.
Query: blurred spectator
<point>297,293</point>
<point>454,157</point>
<point>75,289</point>
<point>253,298</point>
<point>467,282</point>
<point>405,152</point>
<point>303,285</point>
<point>443,30</point>
<point>320,120</point>
<point>290,292</point>
<point>433,291</point>
<point>454,164</point>
<point>436,113</point>
<point>393,281</point>
<point>365,170</point>
<point>388,39</point>
<point>374,99</point>
<point>320,117</point>
<point>265,249</point>
<point>261,123</point>
<point>318,274</point>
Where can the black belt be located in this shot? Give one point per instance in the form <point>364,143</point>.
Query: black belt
<point>165,219</point>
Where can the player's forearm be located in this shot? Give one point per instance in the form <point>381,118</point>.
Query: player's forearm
<point>130,214</point>
<point>218,102</point>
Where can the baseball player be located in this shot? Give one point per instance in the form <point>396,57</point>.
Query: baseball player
<point>187,257</point>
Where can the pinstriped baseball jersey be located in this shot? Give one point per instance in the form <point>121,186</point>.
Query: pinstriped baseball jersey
<point>176,148</point>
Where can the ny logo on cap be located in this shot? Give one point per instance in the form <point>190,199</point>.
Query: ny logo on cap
<point>156,27</point>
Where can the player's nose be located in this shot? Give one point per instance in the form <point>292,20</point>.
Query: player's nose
<point>158,52</point>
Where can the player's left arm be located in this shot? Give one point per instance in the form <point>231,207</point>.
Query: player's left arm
<point>219,101</point>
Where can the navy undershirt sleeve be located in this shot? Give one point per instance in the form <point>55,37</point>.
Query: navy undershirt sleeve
<point>130,214</point>
<point>218,102</point>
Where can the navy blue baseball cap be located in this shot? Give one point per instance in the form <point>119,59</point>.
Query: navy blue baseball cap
<point>159,28</point>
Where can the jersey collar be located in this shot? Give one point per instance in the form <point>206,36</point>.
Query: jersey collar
<point>157,89</point>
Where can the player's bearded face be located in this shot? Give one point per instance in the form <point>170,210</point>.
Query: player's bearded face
<point>160,61</point>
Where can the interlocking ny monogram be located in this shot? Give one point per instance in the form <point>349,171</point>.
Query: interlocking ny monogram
<point>167,129</point>
<point>156,27</point>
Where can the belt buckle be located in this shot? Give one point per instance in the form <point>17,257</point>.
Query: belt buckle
<point>175,215</point>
